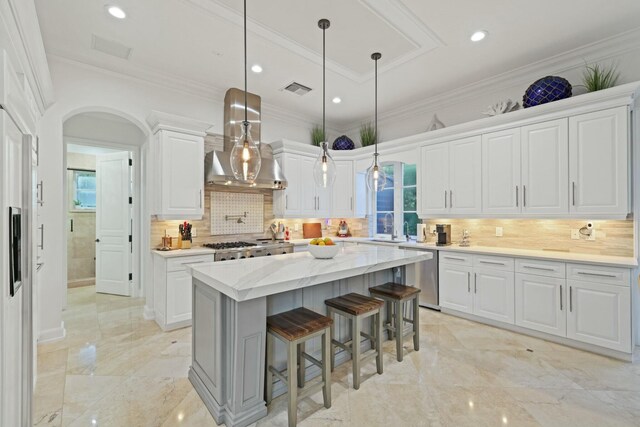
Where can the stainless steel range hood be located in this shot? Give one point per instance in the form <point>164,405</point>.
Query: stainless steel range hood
<point>217,163</point>
<point>218,171</point>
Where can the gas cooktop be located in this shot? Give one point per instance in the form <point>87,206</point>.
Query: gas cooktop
<point>229,245</point>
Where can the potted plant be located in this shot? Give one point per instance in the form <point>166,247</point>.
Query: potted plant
<point>597,77</point>
<point>317,136</point>
<point>367,134</point>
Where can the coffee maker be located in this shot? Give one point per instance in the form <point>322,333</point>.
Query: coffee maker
<point>444,234</point>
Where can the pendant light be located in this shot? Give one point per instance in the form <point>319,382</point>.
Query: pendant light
<point>245,154</point>
<point>324,169</point>
<point>376,178</point>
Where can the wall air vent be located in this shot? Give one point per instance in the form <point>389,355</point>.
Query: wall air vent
<point>110,47</point>
<point>297,88</point>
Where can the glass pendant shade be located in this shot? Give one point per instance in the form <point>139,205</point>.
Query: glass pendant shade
<point>245,157</point>
<point>324,169</point>
<point>376,178</point>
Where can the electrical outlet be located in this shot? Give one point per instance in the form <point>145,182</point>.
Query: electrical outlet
<point>432,229</point>
<point>296,227</point>
<point>498,231</point>
<point>194,232</point>
<point>575,234</point>
<point>592,236</point>
<point>328,222</point>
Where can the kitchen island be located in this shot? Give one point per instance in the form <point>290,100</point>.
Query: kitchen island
<point>232,299</point>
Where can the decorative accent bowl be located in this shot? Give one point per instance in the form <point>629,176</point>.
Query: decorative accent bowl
<point>343,142</point>
<point>324,252</point>
<point>546,89</point>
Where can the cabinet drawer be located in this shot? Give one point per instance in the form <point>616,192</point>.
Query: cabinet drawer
<point>598,274</point>
<point>493,262</point>
<point>455,258</point>
<point>541,268</point>
<point>177,264</point>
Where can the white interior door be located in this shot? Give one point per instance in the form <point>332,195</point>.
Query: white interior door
<point>113,222</point>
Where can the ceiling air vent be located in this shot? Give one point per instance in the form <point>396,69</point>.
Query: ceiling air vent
<point>110,47</point>
<point>297,88</point>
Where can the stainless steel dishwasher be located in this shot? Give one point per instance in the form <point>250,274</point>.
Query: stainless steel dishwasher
<point>424,274</point>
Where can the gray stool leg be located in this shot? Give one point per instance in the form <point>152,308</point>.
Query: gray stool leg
<point>377,320</point>
<point>416,325</point>
<point>374,324</point>
<point>332,347</point>
<point>292,378</point>
<point>301,363</point>
<point>326,370</point>
<point>389,310</point>
<point>269,380</point>
<point>398,329</point>
<point>355,351</point>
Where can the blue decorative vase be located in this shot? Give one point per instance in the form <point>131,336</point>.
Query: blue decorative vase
<point>343,143</point>
<point>546,89</point>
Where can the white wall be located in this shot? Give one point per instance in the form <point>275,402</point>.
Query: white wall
<point>83,88</point>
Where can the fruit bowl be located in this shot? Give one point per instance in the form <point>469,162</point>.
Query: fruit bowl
<point>323,252</point>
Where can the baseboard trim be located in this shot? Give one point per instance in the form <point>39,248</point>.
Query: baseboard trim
<point>149,313</point>
<point>51,335</point>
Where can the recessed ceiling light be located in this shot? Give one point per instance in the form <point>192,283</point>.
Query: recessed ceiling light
<point>256,69</point>
<point>478,35</point>
<point>337,100</point>
<point>116,12</point>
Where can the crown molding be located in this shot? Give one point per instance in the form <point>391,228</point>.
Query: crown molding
<point>159,120</point>
<point>606,49</point>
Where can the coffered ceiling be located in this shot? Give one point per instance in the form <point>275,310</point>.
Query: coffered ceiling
<point>425,46</point>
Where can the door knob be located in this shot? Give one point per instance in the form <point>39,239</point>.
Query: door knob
<point>97,240</point>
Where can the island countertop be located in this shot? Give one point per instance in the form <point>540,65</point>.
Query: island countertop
<point>246,279</point>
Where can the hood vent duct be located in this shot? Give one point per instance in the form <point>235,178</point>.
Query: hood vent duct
<point>218,163</point>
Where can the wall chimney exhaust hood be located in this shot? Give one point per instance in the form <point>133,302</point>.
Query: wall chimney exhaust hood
<point>217,164</point>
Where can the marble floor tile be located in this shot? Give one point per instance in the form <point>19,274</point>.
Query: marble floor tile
<point>114,368</point>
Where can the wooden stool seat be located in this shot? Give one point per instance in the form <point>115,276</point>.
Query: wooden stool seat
<point>395,295</point>
<point>295,328</point>
<point>394,291</point>
<point>355,304</point>
<point>297,323</point>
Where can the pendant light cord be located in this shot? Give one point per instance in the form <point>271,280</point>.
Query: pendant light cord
<point>246,120</point>
<point>324,96</point>
<point>376,107</point>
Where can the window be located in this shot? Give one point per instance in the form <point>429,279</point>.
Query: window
<point>397,200</point>
<point>84,190</point>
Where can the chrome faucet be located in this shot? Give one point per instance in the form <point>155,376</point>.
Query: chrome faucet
<point>406,230</point>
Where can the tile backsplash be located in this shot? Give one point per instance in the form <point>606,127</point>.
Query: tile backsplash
<point>613,237</point>
<point>236,213</point>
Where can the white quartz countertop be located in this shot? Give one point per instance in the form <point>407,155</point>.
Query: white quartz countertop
<point>184,252</point>
<point>246,279</point>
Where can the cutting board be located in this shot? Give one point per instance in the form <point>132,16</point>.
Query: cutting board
<point>311,230</point>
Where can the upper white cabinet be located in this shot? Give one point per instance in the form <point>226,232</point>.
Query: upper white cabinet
<point>598,170</point>
<point>177,153</point>
<point>501,184</point>
<point>451,178</point>
<point>545,168</point>
<point>343,200</point>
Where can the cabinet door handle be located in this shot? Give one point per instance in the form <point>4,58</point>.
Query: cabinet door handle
<point>450,198</point>
<point>561,308</point>
<point>524,196</point>
<point>454,258</point>
<point>492,262</point>
<point>516,196</point>
<point>351,202</point>
<point>445,199</point>
<point>570,298</point>
<point>286,201</point>
<point>468,281</point>
<point>41,245</point>
<point>538,268</point>
<point>71,225</point>
<point>475,283</point>
<point>40,188</point>
<point>586,273</point>
<point>573,193</point>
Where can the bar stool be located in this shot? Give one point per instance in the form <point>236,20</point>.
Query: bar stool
<point>357,307</point>
<point>395,295</point>
<point>295,328</point>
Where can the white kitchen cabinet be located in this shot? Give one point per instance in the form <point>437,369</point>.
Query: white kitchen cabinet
<point>541,303</point>
<point>434,179</point>
<point>179,176</point>
<point>173,290</point>
<point>454,283</point>
<point>545,168</point>
<point>493,294</point>
<point>501,172</point>
<point>598,162</point>
<point>600,314</point>
<point>465,178</point>
<point>343,200</point>
<point>451,177</point>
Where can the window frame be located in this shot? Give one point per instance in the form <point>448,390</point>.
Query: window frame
<point>73,190</point>
<point>398,201</point>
